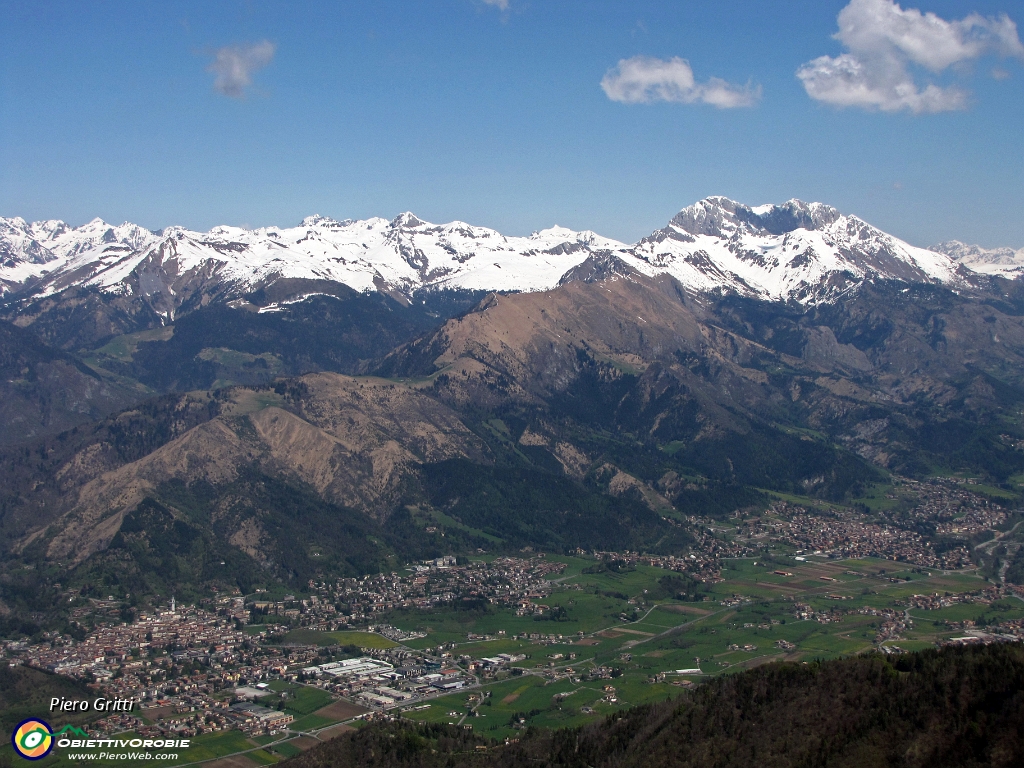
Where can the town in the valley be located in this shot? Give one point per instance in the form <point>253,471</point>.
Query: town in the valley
<point>500,642</point>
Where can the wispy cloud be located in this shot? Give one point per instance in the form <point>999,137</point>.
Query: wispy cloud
<point>234,65</point>
<point>886,43</point>
<point>501,5</point>
<point>642,80</point>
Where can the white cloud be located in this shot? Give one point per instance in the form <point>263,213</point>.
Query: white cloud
<point>234,65</point>
<point>884,43</point>
<point>642,79</point>
<point>501,5</point>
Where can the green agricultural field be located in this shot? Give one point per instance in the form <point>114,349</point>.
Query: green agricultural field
<point>442,632</point>
<point>306,700</point>
<point>875,497</point>
<point>1003,611</point>
<point>453,626</point>
<point>360,639</point>
<point>631,582</point>
<point>669,634</point>
<point>481,648</point>
<point>911,645</point>
<point>903,590</point>
<point>286,749</point>
<point>444,521</point>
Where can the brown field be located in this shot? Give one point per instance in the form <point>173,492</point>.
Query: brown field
<point>340,710</point>
<point>334,731</point>
<point>753,585</point>
<point>237,761</point>
<point>953,585</point>
<point>826,568</point>
<point>587,641</point>
<point>634,632</point>
<point>610,634</point>
<point>818,583</point>
<point>304,742</point>
<point>750,664</point>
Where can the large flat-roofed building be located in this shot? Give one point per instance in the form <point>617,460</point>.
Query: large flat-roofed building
<point>353,668</point>
<point>377,700</point>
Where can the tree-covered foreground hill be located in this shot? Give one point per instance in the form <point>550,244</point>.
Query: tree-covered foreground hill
<point>958,707</point>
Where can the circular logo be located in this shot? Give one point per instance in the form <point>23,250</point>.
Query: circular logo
<point>32,739</point>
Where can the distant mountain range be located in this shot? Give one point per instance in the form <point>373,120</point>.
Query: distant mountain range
<point>993,261</point>
<point>804,252</point>
<point>394,390</point>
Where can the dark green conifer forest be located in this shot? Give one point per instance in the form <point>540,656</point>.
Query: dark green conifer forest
<point>953,708</point>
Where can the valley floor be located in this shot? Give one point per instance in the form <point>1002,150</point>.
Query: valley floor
<point>613,645</point>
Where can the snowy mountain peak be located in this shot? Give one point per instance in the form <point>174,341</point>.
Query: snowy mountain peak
<point>316,220</point>
<point>555,231</point>
<point>406,220</point>
<point>48,230</point>
<point>805,252</point>
<point>722,217</point>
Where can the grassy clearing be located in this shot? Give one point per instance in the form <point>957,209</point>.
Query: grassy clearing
<point>250,401</point>
<point>876,499</point>
<point>323,639</point>
<point>123,348</point>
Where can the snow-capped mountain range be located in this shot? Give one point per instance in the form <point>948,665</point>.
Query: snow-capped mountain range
<point>807,252</point>
<point>1005,262</point>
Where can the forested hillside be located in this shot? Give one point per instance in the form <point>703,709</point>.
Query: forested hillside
<point>959,707</point>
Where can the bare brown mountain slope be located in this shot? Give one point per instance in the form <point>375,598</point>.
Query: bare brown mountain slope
<point>904,358</point>
<point>623,382</point>
<point>531,346</point>
<point>354,441</point>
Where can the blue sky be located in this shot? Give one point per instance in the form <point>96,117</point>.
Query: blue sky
<point>514,114</point>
